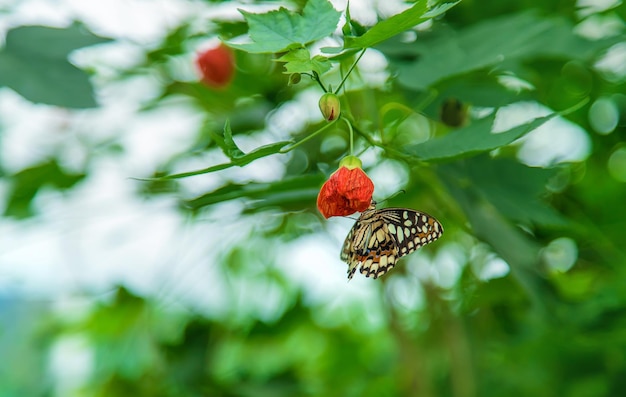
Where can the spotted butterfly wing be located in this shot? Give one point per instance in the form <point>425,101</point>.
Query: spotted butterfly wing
<point>380,237</point>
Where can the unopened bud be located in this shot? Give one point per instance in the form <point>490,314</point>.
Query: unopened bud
<point>454,113</point>
<point>330,106</point>
<point>294,78</point>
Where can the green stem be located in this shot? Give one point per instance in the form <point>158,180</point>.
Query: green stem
<point>349,124</point>
<point>431,95</point>
<point>395,106</point>
<point>407,111</point>
<point>574,108</point>
<point>350,71</point>
<point>316,77</point>
<point>389,150</point>
<point>306,139</point>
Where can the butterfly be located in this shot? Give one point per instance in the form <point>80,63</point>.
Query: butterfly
<point>380,237</point>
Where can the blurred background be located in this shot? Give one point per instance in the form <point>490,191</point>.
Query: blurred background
<point>229,283</point>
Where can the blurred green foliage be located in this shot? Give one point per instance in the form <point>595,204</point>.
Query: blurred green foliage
<point>34,63</point>
<point>535,331</point>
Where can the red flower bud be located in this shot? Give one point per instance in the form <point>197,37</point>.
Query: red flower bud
<point>330,106</point>
<point>348,190</point>
<point>217,66</point>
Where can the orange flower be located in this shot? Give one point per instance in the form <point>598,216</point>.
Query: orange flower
<point>348,190</point>
<point>217,66</point>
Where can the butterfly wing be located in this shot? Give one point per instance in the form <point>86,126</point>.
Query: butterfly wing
<point>369,245</point>
<point>347,244</point>
<point>380,237</point>
<point>410,229</point>
<point>354,246</point>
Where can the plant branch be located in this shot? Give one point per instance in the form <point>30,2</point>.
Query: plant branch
<point>396,153</point>
<point>349,124</point>
<point>316,77</point>
<point>307,138</point>
<point>350,71</point>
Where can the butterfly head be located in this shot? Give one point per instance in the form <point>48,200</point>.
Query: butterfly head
<point>369,211</point>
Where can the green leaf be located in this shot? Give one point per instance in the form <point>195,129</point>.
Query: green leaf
<point>440,9</point>
<point>516,248</point>
<point>124,335</point>
<point>352,27</point>
<point>475,90</point>
<point>397,24</point>
<point>230,147</point>
<point>472,139</point>
<point>277,31</point>
<point>260,152</point>
<point>299,61</point>
<point>445,54</point>
<point>34,64</point>
<point>282,191</point>
<point>519,251</point>
<point>26,183</point>
<point>513,188</point>
<point>219,138</point>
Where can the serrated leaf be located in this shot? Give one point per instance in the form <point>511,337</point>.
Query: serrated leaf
<point>226,143</point>
<point>346,29</point>
<point>352,27</point>
<point>473,139</point>
<point>34,64</point>
<point>397,24</point>
<point>232,150</point>
<point>218,139</point>
<point>279,30</point>
<point>299,61</point>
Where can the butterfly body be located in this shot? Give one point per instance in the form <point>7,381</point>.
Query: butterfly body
<point>380,237</point>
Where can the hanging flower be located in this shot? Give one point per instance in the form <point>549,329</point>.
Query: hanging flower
<point>348,190</point>
<point>217,66</point>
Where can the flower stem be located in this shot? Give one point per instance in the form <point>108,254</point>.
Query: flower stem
<point>388,149</point>
<point>351,135</point>
<point>407,111</point>
<point>307,138</point>
<point>395,106</point>
<point>314,76</point>
<point>350,71</point>
<point>430,96</point>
